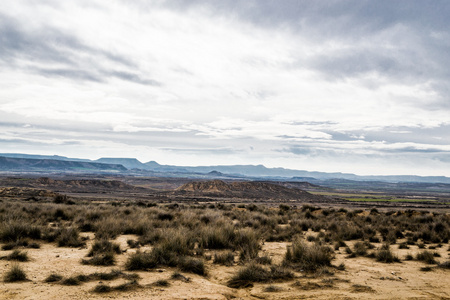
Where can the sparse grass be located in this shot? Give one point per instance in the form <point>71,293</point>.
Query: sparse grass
<point>358,288</point>
<point>15,273</point>
<point>272,289</point>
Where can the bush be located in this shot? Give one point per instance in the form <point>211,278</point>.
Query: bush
<point>14,274</point>
<point>140,261</point>
<point>248,243</point>
<point>308,258</point>
<point>102,288</point>
<point>71,281</point>
<point>225,258</point>
<point>385,255</point>
<point>104,246</point>
<point>426,256</point>
<point>13,231</point>
<point>162,283</point>
<point>18,255</point>
<point>444,265</point>
<point>103,259</point>
<point>359,249</point>
<point>256,273</point>
<point>53,278</point>
<point>68,237</point>
<point>215,237</point>
<point>192,265</point>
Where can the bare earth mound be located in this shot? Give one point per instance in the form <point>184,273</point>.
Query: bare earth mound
<point>245,190</point>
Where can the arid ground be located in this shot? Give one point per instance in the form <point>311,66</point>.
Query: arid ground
<point>173,239</point>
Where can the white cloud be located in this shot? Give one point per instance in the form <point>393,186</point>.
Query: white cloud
<point>152,77</point>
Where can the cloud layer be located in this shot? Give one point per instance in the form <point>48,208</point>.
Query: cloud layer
<point>352,86</point>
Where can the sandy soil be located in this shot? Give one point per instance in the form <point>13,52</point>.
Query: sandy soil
<point>363,278</point>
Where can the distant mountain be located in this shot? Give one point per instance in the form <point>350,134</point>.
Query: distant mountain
<point>129,163</point>
<point>35,156</point>
<point>29,164</point>
<point>255,172</point>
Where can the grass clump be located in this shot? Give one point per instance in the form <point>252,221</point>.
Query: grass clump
<point>102,288</point>
<point>53,278</point>
<point>11,231</point>
<point>192,265</point>
<point>140,261</point>
<point>444,265</point>
<point>257,273</point>
<point>225,258</point>
<point>426,256</point>
<point>69,237</point>
<point>15,273</point>
<point>18,256</point>
<point>307,257</point>
<point>103,259</point>
<point>162,283</point>
<point>104,246</point>
<point>385,255</point>
<point>74,280</point>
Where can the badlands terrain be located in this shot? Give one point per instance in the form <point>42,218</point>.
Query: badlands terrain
<point>82,237</point>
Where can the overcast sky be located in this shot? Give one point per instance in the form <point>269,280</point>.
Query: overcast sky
<point>348,86</point>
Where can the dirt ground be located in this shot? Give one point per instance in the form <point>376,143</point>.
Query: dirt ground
<point>363,278</point>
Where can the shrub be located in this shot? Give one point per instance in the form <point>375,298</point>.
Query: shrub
<point>225,258</point>
<point>426,256</point>
<point>13,231</point>
<point>18,255</point>
<point>403,246</point>
<point>104,246</point>
<point>162,283</point>
<point>69,237</point>
<point>192,265</point>
<point>256,273</point>
<point>263,260</point>
<point>53,278</point>
<point>306,257</point>
<point>215,237</point>
<point>140,261</point>
<point>248,243</point>
<point>385,255</point>
<point>103,259</point>
<point>14,274</point>
<point>102,288</point>
<point>444,265</point>
<point>71,281</point>
<point>359,249</point>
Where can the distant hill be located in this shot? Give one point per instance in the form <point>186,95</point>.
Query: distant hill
<point>244,189</point>
<point>255,172</point>
<point>28,164</point>
<point>129,163</point>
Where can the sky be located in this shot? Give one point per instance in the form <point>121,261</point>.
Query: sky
<point>335,86</point>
